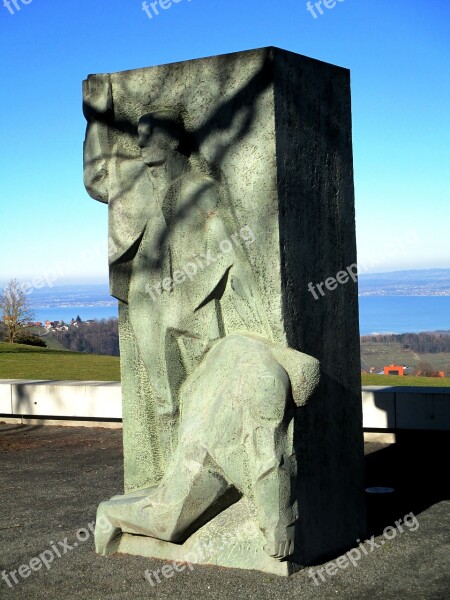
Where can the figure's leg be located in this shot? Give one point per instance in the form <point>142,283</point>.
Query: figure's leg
<point>192,492</point>
<point>148,327</point>
<point>147,324</point>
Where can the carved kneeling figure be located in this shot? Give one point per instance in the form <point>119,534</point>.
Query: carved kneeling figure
<point>235,439</point>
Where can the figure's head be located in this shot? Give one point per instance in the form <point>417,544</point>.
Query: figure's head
<point>160,133</point>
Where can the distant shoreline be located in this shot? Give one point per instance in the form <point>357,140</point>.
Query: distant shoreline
<point>378,314</point>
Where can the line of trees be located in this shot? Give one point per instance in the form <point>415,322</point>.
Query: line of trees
<point>95,337</point>
<point>422,343</point>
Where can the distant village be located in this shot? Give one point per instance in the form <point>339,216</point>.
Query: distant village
<point>59,325</point>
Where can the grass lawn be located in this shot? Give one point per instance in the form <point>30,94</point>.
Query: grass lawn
<point>18,361</point>
<point>392,380</point>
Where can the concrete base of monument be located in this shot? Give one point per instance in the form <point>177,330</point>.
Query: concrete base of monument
<point>232,539</point>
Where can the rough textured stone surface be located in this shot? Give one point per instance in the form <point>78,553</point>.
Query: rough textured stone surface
<point>259,147</point>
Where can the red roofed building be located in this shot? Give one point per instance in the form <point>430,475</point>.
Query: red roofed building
<point>394,370</point>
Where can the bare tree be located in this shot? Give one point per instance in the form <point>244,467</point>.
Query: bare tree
<point>425,369</point>
<point>16,310</point>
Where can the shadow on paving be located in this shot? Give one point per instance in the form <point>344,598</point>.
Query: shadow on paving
<point>52,479</point>
<point>411,467</point>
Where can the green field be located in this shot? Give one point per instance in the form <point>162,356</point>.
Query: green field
<point>392,380</point>
<point>18,361</point>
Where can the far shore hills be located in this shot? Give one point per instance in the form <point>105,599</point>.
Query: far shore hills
<point>423,282</point>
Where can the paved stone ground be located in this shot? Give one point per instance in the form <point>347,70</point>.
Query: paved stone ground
<point>52,479</point>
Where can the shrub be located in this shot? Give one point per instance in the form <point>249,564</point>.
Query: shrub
<point>30,339</point>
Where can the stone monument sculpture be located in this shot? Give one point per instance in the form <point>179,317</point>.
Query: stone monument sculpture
<point>215,226</point>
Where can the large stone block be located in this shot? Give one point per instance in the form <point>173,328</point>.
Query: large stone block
<point>254,170</point>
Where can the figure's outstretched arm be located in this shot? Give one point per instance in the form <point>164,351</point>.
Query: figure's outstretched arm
<point>274,473</point>
<point>270,451</point>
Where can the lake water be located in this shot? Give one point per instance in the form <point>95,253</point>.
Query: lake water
<point>378,314</point>
<point>403,314</point>
<point>66,314</point>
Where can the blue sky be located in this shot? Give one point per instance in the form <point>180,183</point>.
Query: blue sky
<point>398,54</point>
